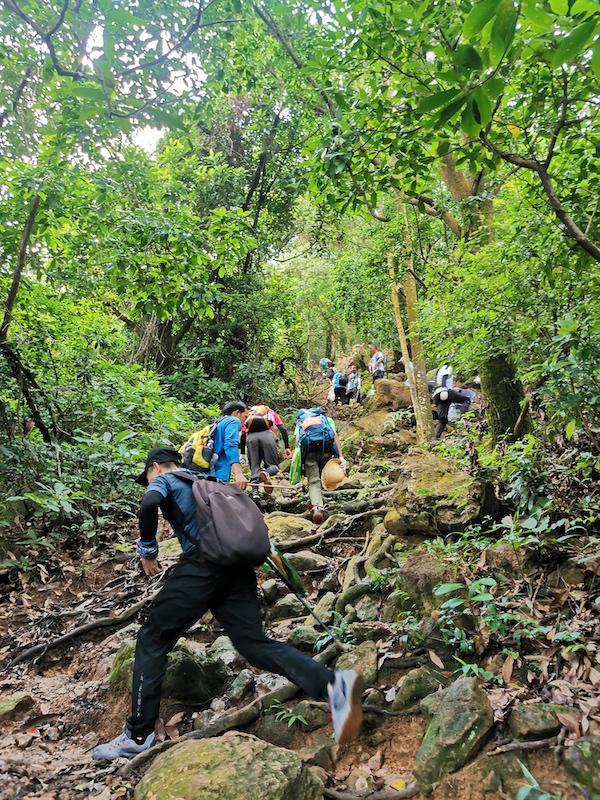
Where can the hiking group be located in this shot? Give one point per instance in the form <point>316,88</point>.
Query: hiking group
<point>223,536</point>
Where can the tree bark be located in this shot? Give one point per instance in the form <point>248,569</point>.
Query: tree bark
<point>504,396</point>
<point>21,261</point>
<point>422,435</point>
<point>423,416</point>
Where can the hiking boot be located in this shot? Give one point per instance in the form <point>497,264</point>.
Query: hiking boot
<point>122,746</point>
<point>266,480</point>
<point>318,515</point>
<point>345,704</point>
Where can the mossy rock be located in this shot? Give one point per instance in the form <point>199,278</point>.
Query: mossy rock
<point>417,684</point>
<point>417,578</point>
<point>582,762</point>
<point>284,527</point>
<point>536,720</point>
<point>460,719</point>
<point>234,766</point>
<point>190,675</point>
<point>13,704</point>
<point>363,659</point>
<point>434,497</point>
<point>314,716</point>
<point>304,637</point>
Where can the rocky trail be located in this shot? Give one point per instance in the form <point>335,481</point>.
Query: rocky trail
<point>481,656</point>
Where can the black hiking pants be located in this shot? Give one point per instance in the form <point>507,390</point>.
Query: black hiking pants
<point>194,587</point>
<point>341,396</point>
<point>262,449</point>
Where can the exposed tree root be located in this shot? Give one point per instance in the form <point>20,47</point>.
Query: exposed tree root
<point>103,622</point>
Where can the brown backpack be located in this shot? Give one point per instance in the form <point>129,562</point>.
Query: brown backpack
<point>232,529</point>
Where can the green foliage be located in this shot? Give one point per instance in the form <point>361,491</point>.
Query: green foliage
<point>532,789</point>
<point>286,714</point>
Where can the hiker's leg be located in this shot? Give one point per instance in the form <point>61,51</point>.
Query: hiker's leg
<point>442,415</point>
<point>253,450</point>
<point>313,476</point>
<point>270,453</point>
<point>184,598</point>
<point>239,614</point>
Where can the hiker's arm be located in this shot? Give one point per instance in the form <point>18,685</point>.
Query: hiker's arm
<point>232,454</point>
<point>286,438</point>
<point>146,545</point>
<point>336,439</point>
<point>243,443</point>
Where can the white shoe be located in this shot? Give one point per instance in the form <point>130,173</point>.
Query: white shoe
<point>123,746</point>
<point>345,704</point>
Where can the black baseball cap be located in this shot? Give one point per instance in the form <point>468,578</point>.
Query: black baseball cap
<point>158,455</point>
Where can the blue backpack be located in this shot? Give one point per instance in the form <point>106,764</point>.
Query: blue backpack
<point>315,431</point>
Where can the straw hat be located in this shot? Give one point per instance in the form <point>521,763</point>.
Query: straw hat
<point>332,474</point>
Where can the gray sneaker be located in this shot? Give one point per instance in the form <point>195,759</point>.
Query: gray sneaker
<point>345,704</point>
<point>123,746</point>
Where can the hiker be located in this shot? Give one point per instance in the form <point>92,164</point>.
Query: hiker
<point>318,442</point>
<point>377,363</point>
<point>325,363</point>
<point>194,586</point>
<point>443,399</point>
<point>339,383</point>
<point>258,437</point>
<point>354,384</point>
<point>445,377</point>
<point>215,450</point>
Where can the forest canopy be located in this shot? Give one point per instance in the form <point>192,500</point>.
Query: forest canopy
<point>303,162</point>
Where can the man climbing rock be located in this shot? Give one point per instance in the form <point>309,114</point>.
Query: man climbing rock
<point>377,363</point>
<point>258,437</point>
<point>195,586</point>
<point>318,442</point>
<point>443,399</point>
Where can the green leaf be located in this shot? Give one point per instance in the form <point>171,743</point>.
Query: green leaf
<point>560,7</point>
<point>434,101</point>
<point>453,602</point>
<point>503,29</point>
<point>570,429</point>
<point>478,17</point>
<point>484,107</point>
<point>452,109</point>
<point>595,64</point>
<point>468,122</point>
<point>446,588</point>
<point>466,56</point>
<point>570,47</point>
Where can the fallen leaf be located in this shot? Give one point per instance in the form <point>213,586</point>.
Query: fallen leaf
<point>436,659</point>
<point>507,669</point>
<point>398,784</point>
<point>171,728</point>
<point>390,695</point>
<point>570,721</point>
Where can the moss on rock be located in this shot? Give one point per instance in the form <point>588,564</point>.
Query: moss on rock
<point>190,675</point>
<point>234,766</point>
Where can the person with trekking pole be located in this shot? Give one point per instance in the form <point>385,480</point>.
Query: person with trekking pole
<point>222,535</point>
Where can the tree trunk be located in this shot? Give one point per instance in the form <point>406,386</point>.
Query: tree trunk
<point>504,396</point>
<point>422,435</point>
<point>425,416</point>
<point>21,260</point>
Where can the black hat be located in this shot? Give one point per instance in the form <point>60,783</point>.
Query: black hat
<point>158,455</point>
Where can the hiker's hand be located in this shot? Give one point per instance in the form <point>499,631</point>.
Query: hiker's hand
<point>150,566</point>
<point>287,452</point>
<point>240,478</point>
<point>343,464</point>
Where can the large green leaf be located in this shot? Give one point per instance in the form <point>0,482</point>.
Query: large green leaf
<point>466,56</point>
<point>503,29</point>
<point>478,17</point>
<point>573,44</point>
<point>433,101</point>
